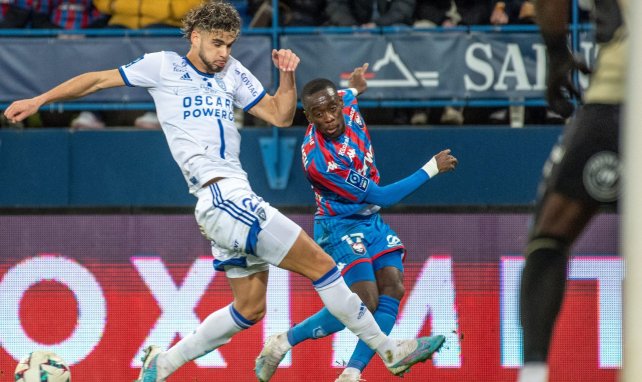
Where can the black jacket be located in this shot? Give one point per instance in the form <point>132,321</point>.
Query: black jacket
<point>358,12</point>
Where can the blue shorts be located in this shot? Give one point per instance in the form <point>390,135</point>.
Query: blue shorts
<point>360,245</point>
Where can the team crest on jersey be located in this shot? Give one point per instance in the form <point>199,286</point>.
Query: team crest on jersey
<point>206,86</point>
<point>219,81</point>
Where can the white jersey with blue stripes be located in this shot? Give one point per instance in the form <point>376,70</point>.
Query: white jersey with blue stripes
<point>196,111</point>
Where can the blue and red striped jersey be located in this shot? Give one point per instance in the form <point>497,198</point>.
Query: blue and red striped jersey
<point>67,14</point>
<point>340,169</point>
<point>39,6</point>
<point>74,14</point>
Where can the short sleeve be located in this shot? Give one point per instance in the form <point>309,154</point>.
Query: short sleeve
<point>144,71</point>
<point>249,90</point>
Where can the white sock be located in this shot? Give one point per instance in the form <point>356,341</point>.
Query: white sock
<point>351,371</point>
<point>533,372</point>
<point>216,330</point>
<point>347,307</point>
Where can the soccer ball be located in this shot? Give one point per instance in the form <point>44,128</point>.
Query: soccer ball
<point>42,366</point>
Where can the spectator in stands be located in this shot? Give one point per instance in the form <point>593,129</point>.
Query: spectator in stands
<point>4,7</point>
<point>136,14</point>
<point>519,12</point>
<point>370,13</point>
<point>513,12</point>
<point>446,13</point>
<point>433,13</point>
<point>437,13</point>
<point>52,14</point>
<point>298,13</point>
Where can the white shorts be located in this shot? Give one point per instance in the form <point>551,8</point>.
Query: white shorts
<point>246,232</point>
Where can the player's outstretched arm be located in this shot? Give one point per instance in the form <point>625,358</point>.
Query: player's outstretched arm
<point>393,193</point>
<point>279,109</point>
<point>76,87</point>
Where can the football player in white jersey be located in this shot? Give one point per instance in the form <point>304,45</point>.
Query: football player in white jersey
<point>194,97</point>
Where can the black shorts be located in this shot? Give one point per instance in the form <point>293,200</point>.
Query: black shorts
<point>586,165</point>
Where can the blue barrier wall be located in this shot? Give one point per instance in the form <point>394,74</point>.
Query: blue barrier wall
<point>131,168</point>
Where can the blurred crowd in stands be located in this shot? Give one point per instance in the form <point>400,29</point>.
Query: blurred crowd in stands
<point>136,14</point>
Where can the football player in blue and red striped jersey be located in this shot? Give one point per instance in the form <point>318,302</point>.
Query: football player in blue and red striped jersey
<point>338,159</point>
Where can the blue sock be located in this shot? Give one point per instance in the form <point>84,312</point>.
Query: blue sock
<point>386,316</point>
<point>323,322</point>
<point>319,325</point>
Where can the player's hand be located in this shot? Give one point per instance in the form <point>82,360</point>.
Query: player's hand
<point>19,110</point>
<point>445,161</point>
<point>357,78</point>
<point>285,60</point>
<point>559,84</point>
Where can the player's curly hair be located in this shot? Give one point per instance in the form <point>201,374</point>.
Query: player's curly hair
<point>212,15</point>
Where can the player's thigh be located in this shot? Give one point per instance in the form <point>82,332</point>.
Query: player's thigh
<point>581,174</point>
<point>233,217</point>
<point>389,274</point>
<point>384,246</point>
<point>249,294</point>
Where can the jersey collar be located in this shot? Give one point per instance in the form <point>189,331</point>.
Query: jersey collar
<point>196,70</point>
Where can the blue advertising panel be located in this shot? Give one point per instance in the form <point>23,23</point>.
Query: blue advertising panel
<point>416,65</point>
<point>31,66</point>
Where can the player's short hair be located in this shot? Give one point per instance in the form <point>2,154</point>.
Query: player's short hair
<point>212,15</point>
<point>314,86</point>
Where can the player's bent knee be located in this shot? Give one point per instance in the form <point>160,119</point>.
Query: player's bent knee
<point>396,291</point>
<point>306,258</point>
<point>555,244</point>
<point>251,312</point>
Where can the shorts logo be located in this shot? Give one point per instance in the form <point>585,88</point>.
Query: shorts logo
<point>358,181</point>
<point>393,241</point>
<point>358,248</point>
<point>602,176</point>
<point>354,241</point>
